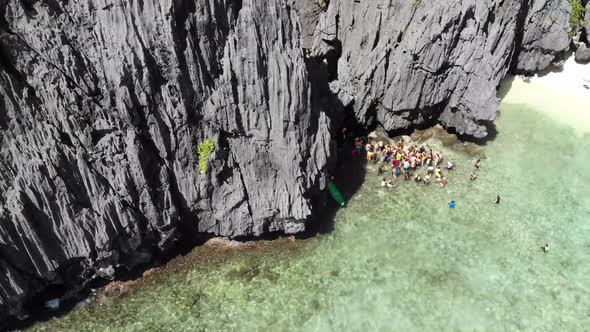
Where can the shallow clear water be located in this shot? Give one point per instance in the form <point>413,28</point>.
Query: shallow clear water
<point>401,260</point>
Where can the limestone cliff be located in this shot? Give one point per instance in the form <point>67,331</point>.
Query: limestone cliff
<point>404,63</point>
<point>103,103</point>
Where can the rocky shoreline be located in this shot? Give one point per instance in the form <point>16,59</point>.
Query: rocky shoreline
<point>103,106</point>
<point>213,251</point>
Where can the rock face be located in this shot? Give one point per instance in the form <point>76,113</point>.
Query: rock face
<point>546,29</point>
<point>409,62</point>
<point>102,105</point>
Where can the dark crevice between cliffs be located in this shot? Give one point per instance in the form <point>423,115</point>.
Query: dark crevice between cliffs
<point>347,172</point>
<point>519,34</point>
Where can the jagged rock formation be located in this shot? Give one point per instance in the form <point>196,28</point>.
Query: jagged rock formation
<point>407,62</point>
<point>546,29</point>
<point>102,105</point>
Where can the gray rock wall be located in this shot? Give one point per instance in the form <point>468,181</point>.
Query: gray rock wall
<point>546,29</point>
<point>409,62</point>
<point>102,105</point>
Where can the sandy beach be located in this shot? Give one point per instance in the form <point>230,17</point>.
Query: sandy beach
<point>560,94</point>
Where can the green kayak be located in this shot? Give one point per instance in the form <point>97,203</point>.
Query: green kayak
<point>336,194</point>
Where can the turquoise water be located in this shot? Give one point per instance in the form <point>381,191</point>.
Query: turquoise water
<point>401,260</point>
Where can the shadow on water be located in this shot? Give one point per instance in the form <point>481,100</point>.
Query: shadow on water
<point>349,176</point>
<point>505,87</point>
<point>347,170</point>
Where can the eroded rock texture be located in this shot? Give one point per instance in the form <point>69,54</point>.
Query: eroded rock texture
<point>409,62</point>
<point>102,106</point>
<point>546,29</point>
<point>583,52</point>
<point>103,102</point>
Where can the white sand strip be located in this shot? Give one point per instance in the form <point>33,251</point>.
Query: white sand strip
<point>561,95</point>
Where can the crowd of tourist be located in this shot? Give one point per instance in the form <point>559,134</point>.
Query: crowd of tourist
<point>410,162</point>
<point>407,161</point>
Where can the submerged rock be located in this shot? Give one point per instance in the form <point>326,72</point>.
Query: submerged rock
<point>117,289</point>
<point>102,106</point>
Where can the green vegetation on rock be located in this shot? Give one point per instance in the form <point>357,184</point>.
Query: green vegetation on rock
<point>204,149</point>
<point>576,16</point>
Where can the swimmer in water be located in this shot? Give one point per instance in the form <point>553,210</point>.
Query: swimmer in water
<point>473,176</point>
<point>383,183</point>
<point>477,163</point>
<point>443,182</point>
<point>407,176</point>
<point>545,247</point>
<point>497,199</point>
